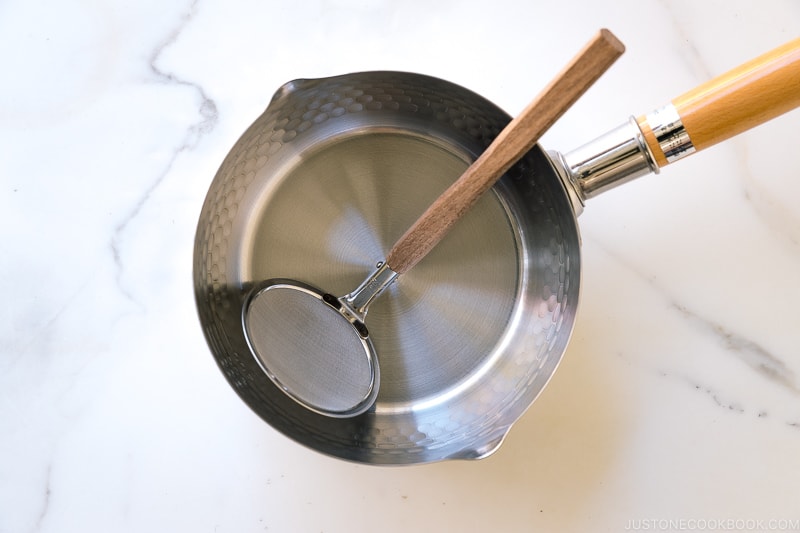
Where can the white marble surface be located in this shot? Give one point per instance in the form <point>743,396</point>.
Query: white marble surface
<point>678,399</point>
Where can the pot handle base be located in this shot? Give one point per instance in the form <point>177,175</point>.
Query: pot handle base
<point>617,157</point>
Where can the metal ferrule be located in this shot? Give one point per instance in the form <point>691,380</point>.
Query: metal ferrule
<point>357,301</point>
<point>670,133</point>
<point>610,160</point>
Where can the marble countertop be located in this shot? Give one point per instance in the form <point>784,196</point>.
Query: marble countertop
<point>677,404</point>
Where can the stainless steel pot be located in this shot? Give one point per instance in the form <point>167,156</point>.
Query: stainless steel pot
<point>331,174</point>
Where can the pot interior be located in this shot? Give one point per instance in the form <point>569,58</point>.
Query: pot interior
<point>469,337</point>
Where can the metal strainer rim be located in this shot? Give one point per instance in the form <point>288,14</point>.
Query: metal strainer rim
<point>356,407</point>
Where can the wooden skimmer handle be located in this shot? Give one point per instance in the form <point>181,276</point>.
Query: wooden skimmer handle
<point>516,139</point>
<point>736,101</point>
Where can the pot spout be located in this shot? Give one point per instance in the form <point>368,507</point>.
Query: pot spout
<point>480,452</point>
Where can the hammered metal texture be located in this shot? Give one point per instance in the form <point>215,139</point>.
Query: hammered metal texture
<point>272,211</point>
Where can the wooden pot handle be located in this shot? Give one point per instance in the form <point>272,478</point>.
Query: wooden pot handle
<point>517,138</point>
<point>743,98</point>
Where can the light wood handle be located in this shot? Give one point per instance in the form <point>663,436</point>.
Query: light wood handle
<point>516,139</point>
<point>743,98</point>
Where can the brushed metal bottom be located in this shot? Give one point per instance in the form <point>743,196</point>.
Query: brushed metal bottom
<point>335,214</point>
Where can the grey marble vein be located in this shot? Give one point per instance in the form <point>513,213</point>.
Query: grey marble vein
<point>776,215</point>
<point>694,60</point>
<point>208,120</point>
<point>45,501</point>
<point>764,363</point>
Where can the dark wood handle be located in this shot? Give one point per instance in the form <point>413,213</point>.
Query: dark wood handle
<point>516,139</point>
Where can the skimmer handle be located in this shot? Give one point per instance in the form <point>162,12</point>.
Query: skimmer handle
<point>517,138</point>
<point>743,98</point>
